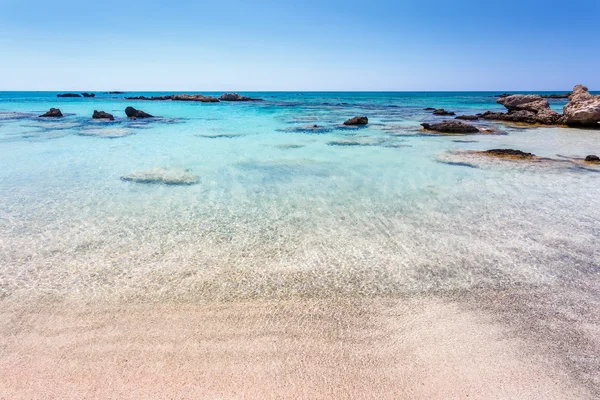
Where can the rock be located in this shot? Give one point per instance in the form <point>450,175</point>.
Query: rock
<point>68,95</point>
<point>236,97</point>
<point>133,113</point>
<point>527,108</point>
<point>468,117</point>
<point>450,127</point>
<point>102,115</point>
<point>178,97</point>
<point>527,102</point>
<point>357,121</point>
<point>503,95</point>
<point>429,109</point>
<point>116,92</point>
<point>592,158</point>
<point>583,108</point>
<point>85,94</point>
<point>441,111</point>
<point>508,153</point>
<point>162,176</point>
<point>53,112</point>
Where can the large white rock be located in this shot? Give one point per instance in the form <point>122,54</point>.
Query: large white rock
<point>583,109</point>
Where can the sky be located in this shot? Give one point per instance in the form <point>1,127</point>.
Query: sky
<point>263,45</point>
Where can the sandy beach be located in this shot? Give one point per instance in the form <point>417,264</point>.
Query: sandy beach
<point>418,348</point>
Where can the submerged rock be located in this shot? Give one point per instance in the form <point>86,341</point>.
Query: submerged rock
<point>468,117</point>
<point>441,111</point>
<point>102,115</point>
<point>345,143</point>
<point>583,109</point>
<point>312,129</point>
<point>53,112</point>
<point>68,95</point>
<point>592,158</point>
<point>236,97</point>
<point>508,153</point>
<point>116,92</point>
<point>556,96</point>
<point>85,94</point>
<point>357,121</point>
<point>429,109</point>
<point>134,113</point>
<point>450,127</point>
<point>162,176</point>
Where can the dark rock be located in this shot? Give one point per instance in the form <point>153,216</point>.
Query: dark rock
<point>178,97</point>
<point>102,115</point>
<point>592,158</point>
<point>236,97</point>
<point>556,96</point>
<point>441,111</point>
<point>583,109</point>
<point>467,117</point>
<point>429,109</point>
<point>509,153</point>
<point>450,127</point>
<point>116,92</point>
<point>133,113</point>
<point>68,95</point>
<point>357,121</point>
<point>85,94</point>
<point>503,95</point>
<point>53,112</point>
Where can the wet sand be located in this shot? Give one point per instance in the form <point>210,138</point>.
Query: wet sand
<point>378,348</point>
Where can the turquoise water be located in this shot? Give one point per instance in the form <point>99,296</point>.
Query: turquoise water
<point>282,209</point>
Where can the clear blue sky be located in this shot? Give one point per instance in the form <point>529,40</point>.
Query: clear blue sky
<point>308,45</point>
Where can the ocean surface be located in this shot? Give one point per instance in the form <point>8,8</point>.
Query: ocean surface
<point>281,208</point>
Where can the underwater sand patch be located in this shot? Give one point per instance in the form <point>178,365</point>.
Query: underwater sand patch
<point>110,133</point>
<point>165,176</point>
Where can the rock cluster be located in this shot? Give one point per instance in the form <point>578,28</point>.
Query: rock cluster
<point>357,121</point>
<point>53,112</point>
<point>179,97</point>
<point>85,94</point>
<point>68,95</point>
<point>236,97</point>
<point>527,108</point>
<point>583,109</point>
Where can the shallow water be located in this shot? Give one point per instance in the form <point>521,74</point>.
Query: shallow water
<point>280,209</point>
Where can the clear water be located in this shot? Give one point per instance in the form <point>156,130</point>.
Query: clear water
<point>278,210</point>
